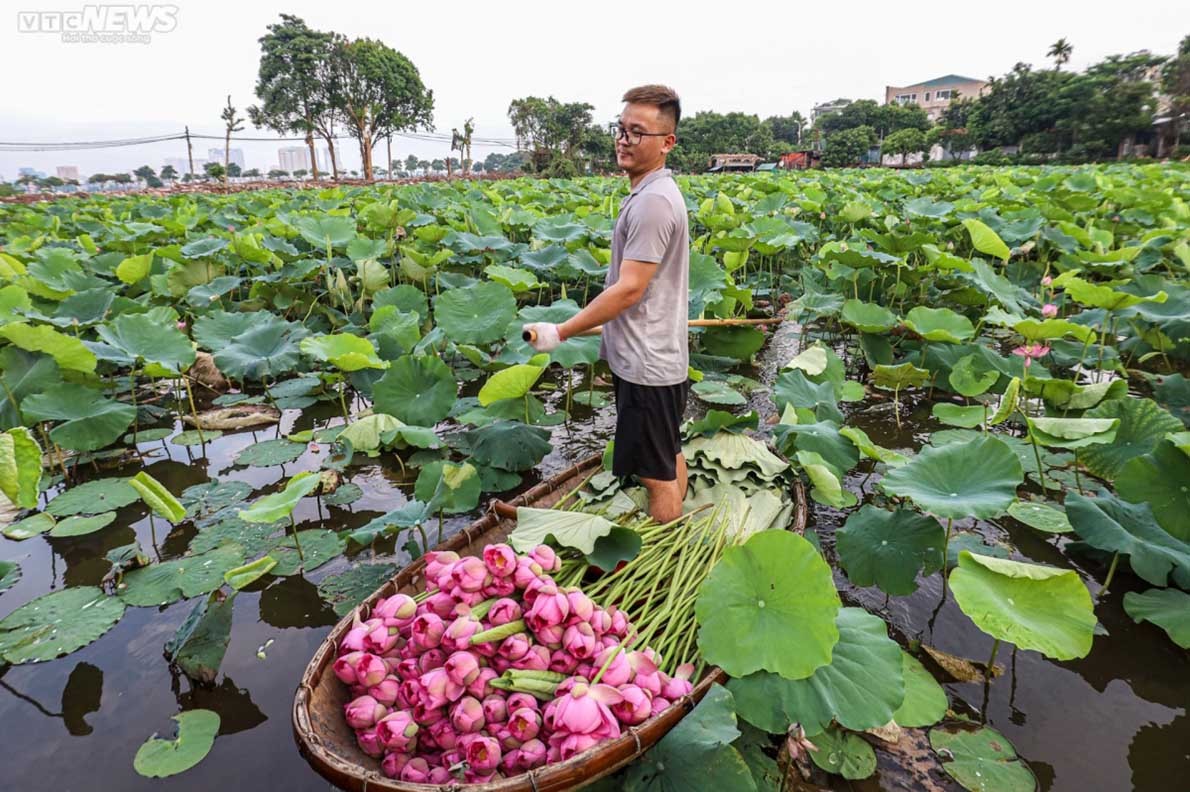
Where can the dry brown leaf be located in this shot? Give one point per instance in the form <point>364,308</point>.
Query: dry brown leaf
<point>960,668</point>
<point>237,417</point>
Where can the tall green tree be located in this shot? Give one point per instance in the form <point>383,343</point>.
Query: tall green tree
<point>552,132</point>
<point>1175,82</point>
<point>1060,51</point>
<point>231,123</point>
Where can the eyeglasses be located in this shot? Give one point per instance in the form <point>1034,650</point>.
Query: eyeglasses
<point>618,132</point>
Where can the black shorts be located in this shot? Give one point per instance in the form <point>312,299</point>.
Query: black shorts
<point>648,429</point>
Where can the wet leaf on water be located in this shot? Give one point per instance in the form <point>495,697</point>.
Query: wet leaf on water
<point>189,576</point>
<point>80,526</point>
<point>196,734</point>
<point>982,760</point>
<point>57,624</point>
<point>198,646</point>
<point>269,453</point>
<point>347,589</point>
<point>93,497</point>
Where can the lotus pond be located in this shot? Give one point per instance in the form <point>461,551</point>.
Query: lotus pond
<point>228,418</point>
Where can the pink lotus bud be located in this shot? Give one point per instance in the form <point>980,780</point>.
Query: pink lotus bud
<point>584,709</point>
<point>392,662</point>
<point>579,640</point>
<point>546,557</point>
<point>441,604</point>
<point>495,710</point>
<point>444,734</point>
<point>660,704</point>
<point>467,715</point>
<point>550,636</point>
<point>480,687</point>
<point>469,573</point>
<point>581,607</point>
<point>514,647</point>
<point>363,712</point>
<point>504,737</point>
<point>462,668</point>
<point>441,776</point>
<point>181,325</point>
<point>574,744</point>
<point>500,560</point>
<point>499,587</point>
<point>548,610</point>
<point>532,754</point>
<point>409,693</point>
<point>674,688</point>
<point>618,672</point>
<point>636,707</point>
<point>386,692</point>
<point>620,625</point>
<point>500,664</point>
<point>398,731</point>
<point>1049,310</point>
<point>429,660</point>
<point>536,659</point>
<point>458,632</point>
<point>437,559</point>
<point>527,570</point>
<point>397,610</point>
<point>563,661</point>
<point>1047,281</point>
<point>465,600</point>
<point>427,716</point>
<point>344,667</point>
<point>521,701</point>
<point>438,689</point>
<point>369,743</point>
<point>416,771</point>
<point>524,724</point>
<point>393,764</point>
<point>427,631</point>
<point>369,670</point>
<point>353,640</point>
<point>483,755</point>
<point>540,585</point>
<point>600,621</point>
<point>510,762</point>
<point>504,611</point>
<point>381,639</point>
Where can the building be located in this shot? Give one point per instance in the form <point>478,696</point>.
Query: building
<point>34,172</point>
<point>182,164</point>
<point>827,108</point>
<point>68,172</point>
<point>292,158</point>
<point>216,155</point>
<point>733,162</point>
<point>935,95</point>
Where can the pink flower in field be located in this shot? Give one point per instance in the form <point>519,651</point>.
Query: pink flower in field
<point>1047,281</point>
<point>636,706</point>
<point>504,611</point>
<point>462,668</point>
<point>231,228</point>
<point>483,755</point>
<point>363,712</point>
<point>467,715</point>
<point>1049,310</point>
<point>181,325</point>
<point>500,560</point>
<point>398,731</point>
<point>1031,352</point>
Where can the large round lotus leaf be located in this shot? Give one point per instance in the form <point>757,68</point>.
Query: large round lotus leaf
<point>477,314</point>
<point>843,753</point>
<point>889,548</point>
<point>510,383</point>
<point>1115,526</point>
<point>345,590</point>
<point>89,420</point>
<point>447,487</point>
<point>868,317</point>
<point>1161,479</point>
<point>576,529</point>
<point>769,605</point>
<point>971,376</point>
<point>169,581</point>
<point>93,497</point>
<point>254,538</point>
<point>716,392</point>
<point>925,701</point>
<point>10,574</point>
<point>1035,607</point>
<point>196,734</point>
<point>940,324</point>
<point>344,351</point>
<point>958,415</point>
<point>740,343</point>
<point>23,373</point>
<point>323,231</point>
<point>80,526</point>
<point>1040,517</point>
<point>404,298</point>
<point>193,437</point>
<point>217,329</point>
<point>209,497</point>
<point>860,688</point>
<point>270,452</point>
<point>985,240</point>
<point>277,505</point>
<point>978,479</point>
<point>1072,432</point>
<point>1169,609</point>
<point>509,445</point>
<point>1143,424</point>
<point>67,351</point>
<point>200,248</point>
<point>29,527</point>
<point>57,624</point>
<point>416,389</point>
<point>148,436</point>
<point>982,760</point>
<point>143,338</point>
<point>895,378</point>
<point>1172,393</point>
<point>318,547</point>
<point>823,438</point>
<point>267,349</point>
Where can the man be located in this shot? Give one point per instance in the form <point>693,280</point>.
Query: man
<point>643,307</point>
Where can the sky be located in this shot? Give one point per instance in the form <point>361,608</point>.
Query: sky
<point>763,58</point>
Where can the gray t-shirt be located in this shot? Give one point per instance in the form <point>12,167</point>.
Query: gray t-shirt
<point>648,343</point>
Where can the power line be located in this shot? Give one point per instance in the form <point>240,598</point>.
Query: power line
<point>82,145</point>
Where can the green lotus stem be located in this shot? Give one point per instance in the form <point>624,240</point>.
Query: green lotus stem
<point>481,609</point>
<point>297,544</point>
<point>946,551</point>
<point>1111,572</point>
<point>1077,479</point>
<point>193,410</point>
<point>538,689</point>
<point>498,633</point>
<point>992,660</point>
<point>425,540</point>
<point>135,412</point>
<point>1037,456</point>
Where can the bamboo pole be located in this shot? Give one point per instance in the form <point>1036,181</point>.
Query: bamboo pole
<point>531,335</point>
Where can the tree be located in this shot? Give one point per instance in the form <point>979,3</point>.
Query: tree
<point>169,173</point>
<point>904,142</point>
<point>1175,81</point>
<point>424,165</point>
<point>707,133</point>
<point>411,162</point>
<point>848,147</point>
<point>252,173</point>
<point>234,170</point>
<point>1060,51</point>
<point>551,131</point>
<point>300,173</point>
<point>144,172</point>
<point>293,98</point>
<point>277,173</point>
<point>94,178</point>
<point>438,165</point>
<point>462,142</point>
<point>214,170</point>
<point>787,129</point>
<point>381,93</point>
<point>231,123</point>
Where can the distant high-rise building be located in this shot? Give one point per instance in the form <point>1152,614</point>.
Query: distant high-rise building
<point>216,155</point>
<point>293,158</point>
<point>34,172</point>
<point>68,172</point>
<point>182,165</point>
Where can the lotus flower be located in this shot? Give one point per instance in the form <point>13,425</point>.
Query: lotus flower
<point>550,636</point>
<point>344,667</point>
<point>536,659</point>
<point>620,624</point>
<point>353,640</point>
<point>369,670</point>
<point>584,709</point>
<point>510,762</point>
<point>581,607</point>
<point>503,611</point>
<point>532,754</point>
<point>469,573</point>
<point>427,716</point>
<point>498,587</point>
<point>514,647</point>
<point>660,704</point>
<point>1047,281</point>
<point>483,755</point>
<point>440,775</point>
<point>644,672</point>
<point>527,570</point>
<point>436,560</point>
<point>369,743</point>
<point>495,710</point>
<point>393,764</point>
<point>579,640</point>
<point>416,771</point>
<point>481,687</point>
<point>1049,310</point>
<point>429,660</point>
<point>548,610</point>
<point>524,724</point>
<point>438,689</point>
<point>458,633</point>
<point>467,715</point>
<point>636,706</point>
<point>444,734</point>
<point>545,556</point>
<point>619,671</point>
<point>1031,352</point>
<point>387,691</point>
<point>521,701</point>
<point>462,668</point>
<point>398,731</point>
<point>381,639</point>
<point>600,621</point>
<point>441,604</point>
<point>427,630</point>
<point>398,610</point>
<point>563,662</point>
<point>409,693</point>
<point>500,559</point>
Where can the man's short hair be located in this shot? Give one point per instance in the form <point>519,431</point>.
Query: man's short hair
<point>662,96</point>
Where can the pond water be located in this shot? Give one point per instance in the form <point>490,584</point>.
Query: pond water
<point>1114,720</point>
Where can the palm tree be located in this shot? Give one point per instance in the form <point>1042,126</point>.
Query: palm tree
<point>1060,52</point>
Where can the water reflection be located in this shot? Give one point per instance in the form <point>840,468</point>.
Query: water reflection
<point>294,602</point>
<point>237,712</point>
<point>80,697</point>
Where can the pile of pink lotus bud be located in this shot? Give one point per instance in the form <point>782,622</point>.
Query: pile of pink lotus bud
<point>496,671</point>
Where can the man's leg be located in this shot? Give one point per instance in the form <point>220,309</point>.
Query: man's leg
<point>665,498</point>
<point>682,482</point>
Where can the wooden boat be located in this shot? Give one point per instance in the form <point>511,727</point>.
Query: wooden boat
<point>329,745</point>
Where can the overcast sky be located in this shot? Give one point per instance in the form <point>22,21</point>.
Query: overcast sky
<point>763,58</point>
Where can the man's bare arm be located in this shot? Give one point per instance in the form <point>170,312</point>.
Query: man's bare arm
<point>614,300</point>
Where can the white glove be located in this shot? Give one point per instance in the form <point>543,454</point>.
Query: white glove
<point>542,336</point>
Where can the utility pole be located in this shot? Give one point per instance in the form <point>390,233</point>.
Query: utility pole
<point>388,168</point>
<point>189,152</point>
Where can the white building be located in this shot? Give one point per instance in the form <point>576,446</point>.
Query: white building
<point>182,165</point>
<point>292,158</point>
<point>68,172</point>
<point>216,155</point>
